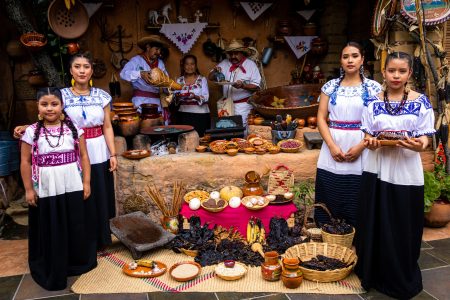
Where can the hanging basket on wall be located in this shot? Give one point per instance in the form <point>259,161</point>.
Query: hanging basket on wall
<point>33,41</point>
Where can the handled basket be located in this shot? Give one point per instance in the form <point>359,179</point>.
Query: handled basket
<point>310,229</point>
<point>345,240</point>
<point>281,180</point>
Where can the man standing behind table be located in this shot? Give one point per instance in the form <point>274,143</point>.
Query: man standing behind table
<point>134,72</point>
<point>243,72</point>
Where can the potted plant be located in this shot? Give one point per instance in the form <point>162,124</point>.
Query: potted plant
<point>437,195</point>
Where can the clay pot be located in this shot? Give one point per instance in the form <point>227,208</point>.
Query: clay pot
<point>258,120</point>
<point>73,48</point>
<point>310,29</point>
<point>284,27</point>
<point>170,223</point>
<point>232,152</point>
<point>129,126</point>
<point>301,123</point>
<point>319,47</point>
<point>439,215</point>
<point>149,109</point>
<point>312,122</point>
<point>147,123</point>
<point>252,189</point>
<point>291,276</point>
<point>271,268</point>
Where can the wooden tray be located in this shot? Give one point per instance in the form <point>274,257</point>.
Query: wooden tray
<point>136,154</point>
<point>126,269</point>
<point>182,279</point>
<point>389,142</point>
<point>228,277</point>
<point>257,207</point>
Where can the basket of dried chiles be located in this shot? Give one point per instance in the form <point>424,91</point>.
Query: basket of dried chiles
<point>338,232</point>
<point>323,262</point>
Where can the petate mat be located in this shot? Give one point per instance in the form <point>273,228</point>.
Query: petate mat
<point>109,278</point>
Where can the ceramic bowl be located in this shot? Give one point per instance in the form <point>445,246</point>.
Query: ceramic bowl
<point>232,152</point>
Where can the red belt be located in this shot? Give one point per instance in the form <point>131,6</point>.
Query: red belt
<point>93,132</point>
<point>244,100</point>
<point>139,93</point>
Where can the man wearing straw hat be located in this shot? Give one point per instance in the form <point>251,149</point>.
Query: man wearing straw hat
<point>138,66</point>
<point>243,72</point>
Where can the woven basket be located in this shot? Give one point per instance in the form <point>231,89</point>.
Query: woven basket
<point>345,240</point>
<point>316,237</point>
<point>280,181</point>
<point>33,40</point>
<point>307,251</point>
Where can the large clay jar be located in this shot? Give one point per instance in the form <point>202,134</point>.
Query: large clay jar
<point>310,29</point>
<point>252,185</point>
<point>271,268</point>
<point>312,122</point>
<point>291,276</point>
<point>284,27</point>
<point>129,125</point>
<point>149,109</point>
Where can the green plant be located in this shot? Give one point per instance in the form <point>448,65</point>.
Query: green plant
<point>304,193</point>
<point>436,186</point>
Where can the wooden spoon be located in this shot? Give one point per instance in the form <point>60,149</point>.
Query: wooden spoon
<point>257,247</point>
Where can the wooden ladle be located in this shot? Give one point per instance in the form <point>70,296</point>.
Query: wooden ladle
<point>257,247</point>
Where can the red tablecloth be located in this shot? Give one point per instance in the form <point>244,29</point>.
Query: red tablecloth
<point>238,217</point>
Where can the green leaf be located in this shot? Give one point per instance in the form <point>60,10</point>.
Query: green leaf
<point>53,43</point>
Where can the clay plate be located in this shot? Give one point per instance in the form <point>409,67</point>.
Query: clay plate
<point>136,154</point>
<point>182,279</point>
<point>126,269</point>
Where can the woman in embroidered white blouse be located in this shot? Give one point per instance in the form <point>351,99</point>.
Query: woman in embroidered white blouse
<point>193,97</point>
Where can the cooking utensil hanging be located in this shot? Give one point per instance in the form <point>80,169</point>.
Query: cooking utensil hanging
<point>118,51</point>
<point>114,86</point>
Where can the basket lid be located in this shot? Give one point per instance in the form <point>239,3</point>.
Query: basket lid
<point>68,23</point>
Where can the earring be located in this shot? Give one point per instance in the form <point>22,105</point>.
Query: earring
<point>40,118</point>
<point>90,83</point>
<point>341,72</point>
<point>407,88</point>
<point>72,81</point>
<point>62,117</point>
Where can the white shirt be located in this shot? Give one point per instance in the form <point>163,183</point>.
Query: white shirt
<point>199,88</point>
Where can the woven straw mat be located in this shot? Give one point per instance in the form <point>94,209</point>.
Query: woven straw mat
<point>109,278</point>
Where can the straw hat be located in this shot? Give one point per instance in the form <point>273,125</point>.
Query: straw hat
<point>238,46</point>
<point>151,39</point>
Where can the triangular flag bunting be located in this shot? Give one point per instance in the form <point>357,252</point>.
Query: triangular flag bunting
<point>255,9</point>
<point>306,14</point>
<point>300,45</point>
<point>183,35</point>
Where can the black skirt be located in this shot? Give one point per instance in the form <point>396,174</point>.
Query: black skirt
<point>200,121</point>
<point>339,193</point>
<point>388,237</point>
<point>58,246</point>
<point>100,206</point>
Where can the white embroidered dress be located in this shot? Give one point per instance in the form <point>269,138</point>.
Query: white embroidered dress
<point>199,88</point>
<point>347,109</point>
<point>85,112</point>
<point>395,164</point>
<point>55,180</point>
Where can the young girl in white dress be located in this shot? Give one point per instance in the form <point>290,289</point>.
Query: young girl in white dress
<point>55,171</point>
<point>341,158</point>
<point>391,203</point>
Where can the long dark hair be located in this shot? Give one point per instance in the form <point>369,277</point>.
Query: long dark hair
<point>183,61</point>
<point>342,74</point>
<point>53,91</point>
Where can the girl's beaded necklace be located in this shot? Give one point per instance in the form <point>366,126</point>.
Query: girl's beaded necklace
<point>394,111</point>
<point>47,133</point>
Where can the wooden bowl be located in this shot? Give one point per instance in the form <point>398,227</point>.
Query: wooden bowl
<point>187,278</point>
<point>214,209</point>
<point>249,150</point>
<point>247,199</point>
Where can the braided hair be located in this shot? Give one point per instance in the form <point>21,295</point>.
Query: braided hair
<point>399,55</point>
<point>87,55</point>
<point>365,94</point>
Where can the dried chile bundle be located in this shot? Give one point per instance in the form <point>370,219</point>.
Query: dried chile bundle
<point>195,238</point>
<point>323,263</point>
<point>338,226</point>
<point>281,237</point>
<point>228,249</point>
